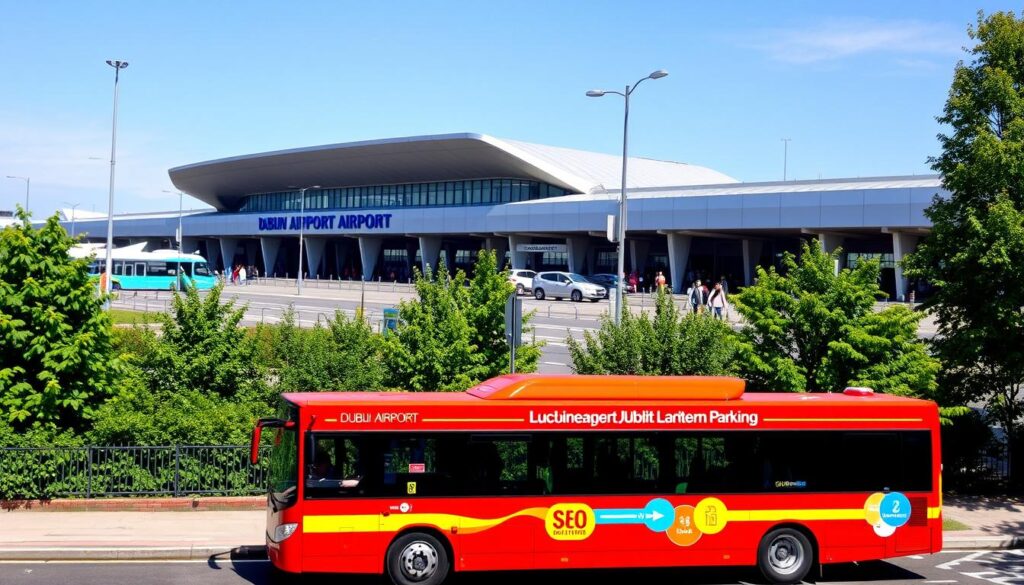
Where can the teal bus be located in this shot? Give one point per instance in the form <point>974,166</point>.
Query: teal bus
<point>135,269</point>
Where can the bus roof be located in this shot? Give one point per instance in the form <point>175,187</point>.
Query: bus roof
<point>134,252</point>
<point>626,390</point>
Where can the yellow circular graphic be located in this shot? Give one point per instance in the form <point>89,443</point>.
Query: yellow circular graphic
<point>709,515</point>
<point>570,521</point>
<point>684,531</point>
<point>871,508</point>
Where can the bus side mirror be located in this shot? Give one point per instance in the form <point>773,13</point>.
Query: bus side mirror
<point>254,447</point>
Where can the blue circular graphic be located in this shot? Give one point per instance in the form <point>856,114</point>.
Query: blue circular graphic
<point>659,515</point>
<point>895,509</point>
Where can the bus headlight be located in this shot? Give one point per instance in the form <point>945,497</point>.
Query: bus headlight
<point>283,531</point>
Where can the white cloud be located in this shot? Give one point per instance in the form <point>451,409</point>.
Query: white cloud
<point>836,40</point>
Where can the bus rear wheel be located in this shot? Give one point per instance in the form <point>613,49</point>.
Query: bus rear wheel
<point>417,558</point>
<point>785,556</point>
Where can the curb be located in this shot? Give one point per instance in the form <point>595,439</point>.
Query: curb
<point>982,543</point>
<point>197,552</point>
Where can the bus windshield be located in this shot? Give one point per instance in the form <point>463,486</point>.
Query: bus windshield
<point>284,462</point>
<point>200,269</point>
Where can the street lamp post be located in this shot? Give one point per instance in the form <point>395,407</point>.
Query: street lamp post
<point>118,66</point>
<point>28,185</point>
<point>180,235</point>
<point>302,231</point>
<point>785,156</point>
<point>73,207</point>
<point>620,276</point>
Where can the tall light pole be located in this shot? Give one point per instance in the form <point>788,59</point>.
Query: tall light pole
<point>302,230</point>
<point>118,66</point>
<point>28,185</point>
<point>73,207</point>
<point>785,156</point>
<point>620,276</point>
<point>179,235</point>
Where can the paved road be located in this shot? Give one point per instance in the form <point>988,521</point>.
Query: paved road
<point>553,320</point>
<point>953,568</point>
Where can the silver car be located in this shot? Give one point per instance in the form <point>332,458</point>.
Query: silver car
<point>560,285</point>
<point>523,279</point>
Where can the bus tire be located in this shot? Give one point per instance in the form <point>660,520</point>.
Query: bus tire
<point>417,558</point>
<point>785,555</point>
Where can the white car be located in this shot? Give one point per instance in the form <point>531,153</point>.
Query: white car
<point>523,279</point>
<point>561,285</point>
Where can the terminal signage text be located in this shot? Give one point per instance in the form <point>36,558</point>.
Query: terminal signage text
<point>345,221</point>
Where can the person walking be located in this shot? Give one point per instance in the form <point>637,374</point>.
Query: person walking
<point>718,302</point>
<point>241,275</point>
<point>698,297</point>
<point>660,281</point>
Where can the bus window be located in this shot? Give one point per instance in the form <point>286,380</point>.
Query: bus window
<point>201,269</point>
<point>140,269</point>
<point>118,268</point>
<point>186,268</point>
<point>129,269</point>
<point>157,269</point>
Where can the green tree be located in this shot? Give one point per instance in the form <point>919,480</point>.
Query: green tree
<point>433,348</point>
<point>485,313</point>
<point>202,347</point>
<point>667,344</point>
<point>56,361</point>
<point>343,355</point>
<point>813,329</point>
<point>974,254</point>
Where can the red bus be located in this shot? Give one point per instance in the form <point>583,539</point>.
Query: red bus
<point>551,472</point>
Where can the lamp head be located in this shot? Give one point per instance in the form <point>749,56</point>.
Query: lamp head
<point>117,64</point>
<point>658,74</point>
<point>595,93</point>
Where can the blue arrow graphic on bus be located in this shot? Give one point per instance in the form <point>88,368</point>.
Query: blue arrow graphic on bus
<point>657,515</point>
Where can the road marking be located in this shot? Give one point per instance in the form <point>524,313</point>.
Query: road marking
<point>555,364</point>
<point>938,580</point>
<point>950,564</point>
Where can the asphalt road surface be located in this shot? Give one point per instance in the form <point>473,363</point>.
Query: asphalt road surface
<point>951,568</point>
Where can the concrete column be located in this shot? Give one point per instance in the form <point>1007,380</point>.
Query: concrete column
<point>500,247</point>
<point>902,244</point>
<point>269,247</point>
<point>369,251</point>
<point>829,243</point>
<point>430,250</point>
<point>314,254</point>
<point>518,258</point>
<point>228,247</point>
<point>577,247</point>
<point>751,254</point>
<point>678,257</point>
<point>638,250</point>
<point>410,256</point>
<point>189,245</point>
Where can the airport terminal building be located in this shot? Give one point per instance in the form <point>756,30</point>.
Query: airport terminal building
<point>377,208</point>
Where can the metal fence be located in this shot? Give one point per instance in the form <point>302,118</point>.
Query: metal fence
<point>90,472</point>
<point>987,470</point>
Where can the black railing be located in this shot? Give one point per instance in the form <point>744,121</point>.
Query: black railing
<point>986,471</point>
<point>90,472</point>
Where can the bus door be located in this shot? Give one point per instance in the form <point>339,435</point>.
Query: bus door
<point>341,516</point>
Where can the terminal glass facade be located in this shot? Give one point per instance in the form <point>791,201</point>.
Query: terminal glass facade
<point>454,193</point>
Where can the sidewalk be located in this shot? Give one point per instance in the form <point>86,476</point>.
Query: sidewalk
<point>188,534</point>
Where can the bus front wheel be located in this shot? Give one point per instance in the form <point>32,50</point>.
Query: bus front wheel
<point>785,555</point>
<point>417,558</point>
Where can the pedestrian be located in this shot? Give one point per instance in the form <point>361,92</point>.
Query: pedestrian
<point>234,275</point>
<point>660,281</point>
<point>698,297</point>
<point>717,301</point>
<point>634,281</point>
<point>725,284</point>
<point>241,275</point>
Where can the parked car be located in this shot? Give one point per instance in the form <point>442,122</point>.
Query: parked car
<point>560,285</point>
<point>523,279</point>
<point>608,281</point>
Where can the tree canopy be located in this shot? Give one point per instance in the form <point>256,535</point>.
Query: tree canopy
<point>810,328</point>
<point>974,254</point>
<point>57,364</point>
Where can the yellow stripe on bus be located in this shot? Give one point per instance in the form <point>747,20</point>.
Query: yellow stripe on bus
<point>470,525</point>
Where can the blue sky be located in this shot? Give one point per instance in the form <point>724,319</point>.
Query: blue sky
<point>855,85</point>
